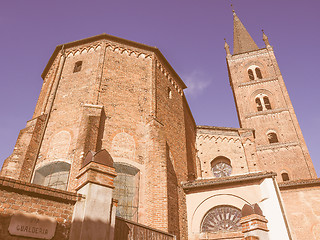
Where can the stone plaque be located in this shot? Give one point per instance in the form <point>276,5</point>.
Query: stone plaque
<point>31,225</point>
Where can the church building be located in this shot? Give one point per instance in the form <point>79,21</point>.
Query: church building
<point>113,152</point>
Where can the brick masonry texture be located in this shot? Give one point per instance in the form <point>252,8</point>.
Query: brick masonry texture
<point>19,196</point>
<point>128,100</point>
<point>290,155</point>
<point>118,101</point>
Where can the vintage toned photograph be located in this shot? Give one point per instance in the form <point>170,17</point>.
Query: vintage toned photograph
<point>159,120</point>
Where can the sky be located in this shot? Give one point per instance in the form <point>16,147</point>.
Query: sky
<point>190,35</point>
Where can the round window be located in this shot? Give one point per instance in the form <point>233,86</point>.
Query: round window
<point>222,219</point>
<point>221,169</point>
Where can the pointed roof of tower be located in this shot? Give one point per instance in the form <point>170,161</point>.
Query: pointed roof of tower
<point>242,41</point>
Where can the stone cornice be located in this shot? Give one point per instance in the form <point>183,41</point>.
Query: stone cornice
<point>256,82</point>
<point>303,183</point>
<point>223,128</point>
<point>266,112</point>
<point>223,133</point>
<point>217,182</point>
<point>249,54</point>
<point>277,145</point>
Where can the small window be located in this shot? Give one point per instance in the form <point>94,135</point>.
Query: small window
<point>250,73</point>
<point>259,105</point>
<point>77,66</point>
<point>266,102</point>
<point>258,73</point>
<point>169,93</point>
<point>272,137</point>
<point>285,176</point>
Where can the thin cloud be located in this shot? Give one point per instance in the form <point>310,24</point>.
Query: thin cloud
<point>197,81</point>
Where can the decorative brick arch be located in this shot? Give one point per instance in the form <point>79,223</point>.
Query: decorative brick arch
<point>258,64</point>
<point>260,93</point>
<point>54,174</point>
<point>59,146</point>
<point>123,147</point>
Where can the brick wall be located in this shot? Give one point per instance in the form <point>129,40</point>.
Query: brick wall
<point>25,151</point>
<point>17,196</point>
<point>179,134</point>
<point>236,144</point>
<point>302,205</point>
<point>125,230</point>
<point>132,117</point>
<point>290,154</point>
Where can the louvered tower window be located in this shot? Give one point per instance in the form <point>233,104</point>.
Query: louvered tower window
<point>259,105</point>
<point>250,74</point>
<point>266,102</point>
<point>258,73</point>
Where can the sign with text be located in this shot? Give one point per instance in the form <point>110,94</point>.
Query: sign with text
<point>31,225</point>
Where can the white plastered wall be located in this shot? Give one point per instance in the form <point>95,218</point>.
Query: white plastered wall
<point>263,193</point>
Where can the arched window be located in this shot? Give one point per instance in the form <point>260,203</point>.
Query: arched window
<point>54,175</point>
<point>262,102</point>
<point>266,102</point>
<point>258,73</point>
<point>272,137</point>
<point>126,191</point>
<point>259,105</point>
<point>77,66</point>
<point>285,176</point>
<point>254,72</point>
<point>250,74</point>
<point>223,218</point>
<point>221,167</point>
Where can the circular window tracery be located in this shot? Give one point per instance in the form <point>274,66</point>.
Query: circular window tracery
<point>221,167</point>
<point>222,219</point>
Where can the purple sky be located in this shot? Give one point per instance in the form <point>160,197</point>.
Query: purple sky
<point>190,35</point>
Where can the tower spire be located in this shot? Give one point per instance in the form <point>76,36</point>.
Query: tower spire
<point>242,41</point>
<point>226,47</point>
<point>265,39</point>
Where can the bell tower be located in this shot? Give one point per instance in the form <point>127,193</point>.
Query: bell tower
<point>263,103</point>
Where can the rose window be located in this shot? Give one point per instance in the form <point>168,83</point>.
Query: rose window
<point>221,169</point>
<point>222,219</point>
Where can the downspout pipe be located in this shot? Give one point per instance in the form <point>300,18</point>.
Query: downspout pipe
<point>63,54</point>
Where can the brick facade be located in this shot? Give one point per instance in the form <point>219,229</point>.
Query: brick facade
<point>110,96</point>
<point>290,154</point>
<point>18,196</point>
